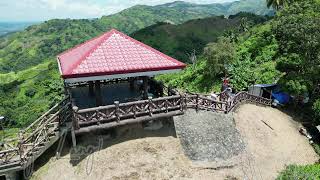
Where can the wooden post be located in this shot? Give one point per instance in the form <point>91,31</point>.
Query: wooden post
<point>181,102</point>
<point>67,91</point>
<point>227,109</point>
<point>131,82</point>
<point>150,106</point>
<point>91,89</point>
<point>73,136</point>
<point>75,125</point>
<point>145,87</point>
<point>161,86</point>
<point>20,145</point>
<point>197,102</point>
<point>185,101</point>
<point>98,93</point>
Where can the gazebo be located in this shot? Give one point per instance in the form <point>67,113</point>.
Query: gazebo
<point>97,71</point>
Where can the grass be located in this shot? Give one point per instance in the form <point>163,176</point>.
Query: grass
<point>311,172</point>
<point>9,133</point>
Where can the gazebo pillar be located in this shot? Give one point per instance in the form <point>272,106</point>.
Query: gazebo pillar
<point>97,85</point>
<point>131,82</point>
<point>145,87</point>
<point>91,89</point>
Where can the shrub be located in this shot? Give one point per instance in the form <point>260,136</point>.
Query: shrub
<point>30,92</point>
<point>300,172</point>
<point>316,108</point>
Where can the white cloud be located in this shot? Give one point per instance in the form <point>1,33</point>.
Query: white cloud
<point>84,7</point>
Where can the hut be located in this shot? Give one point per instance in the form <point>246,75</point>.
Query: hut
<point>112,67</point>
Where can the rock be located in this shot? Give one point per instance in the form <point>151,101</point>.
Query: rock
<point>208,136</point>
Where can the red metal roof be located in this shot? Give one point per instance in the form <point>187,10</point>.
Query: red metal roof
<point>113,53</point>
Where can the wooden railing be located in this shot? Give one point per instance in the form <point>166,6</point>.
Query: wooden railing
<point>132,110</point>
<point>37,137</point>
<point>200,102</point>
<point>33,139</point>
<point>10,156</point>
<point>60,109</point>
<point>240,97</point>
<point>118,112</point>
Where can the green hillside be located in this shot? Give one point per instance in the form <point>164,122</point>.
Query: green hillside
<point>246,48</point>
<point>284,50</point>
<point>253,6</point>
<point>180,40</point>
<point>37,43</point>
<point>28,92</point>
<point>29,78</point>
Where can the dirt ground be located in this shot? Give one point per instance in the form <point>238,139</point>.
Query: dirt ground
<point>142,154</point>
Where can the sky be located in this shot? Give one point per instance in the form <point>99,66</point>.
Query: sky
<point>40,10</point>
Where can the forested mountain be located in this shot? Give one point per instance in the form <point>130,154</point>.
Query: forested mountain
<point>141,16</point>
<point>39,42</point>
<point>285,50</point>
<point>254,6</point>
<point>29,78</point>
<point>180,40</point>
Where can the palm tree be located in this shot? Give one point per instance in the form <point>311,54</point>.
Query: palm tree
<point>278,4</point>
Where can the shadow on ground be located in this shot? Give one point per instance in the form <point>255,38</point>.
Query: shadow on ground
<point>93,142</point>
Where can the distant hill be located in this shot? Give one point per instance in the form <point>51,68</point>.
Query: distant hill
<point>29,79</point>
<point>38,43</point>
<point>252,6</point>
<point>180,40</point>
<point>140,16</point>
<point>11,27</point>
<point>257,7</point>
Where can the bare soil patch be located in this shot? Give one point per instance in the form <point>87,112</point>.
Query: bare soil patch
<point>145,154</point>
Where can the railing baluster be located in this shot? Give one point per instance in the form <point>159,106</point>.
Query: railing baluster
<point>150,105</point>
<point>197,102</point>
<point>117,113</point>
<point>134,109</point>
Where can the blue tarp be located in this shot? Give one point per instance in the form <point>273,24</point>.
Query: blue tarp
<point>265,85</point>
<point>282,97</point>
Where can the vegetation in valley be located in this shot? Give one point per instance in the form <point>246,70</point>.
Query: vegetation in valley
<point>247,58</point>
<point>284,50</point>
<point>38,43</point>
<point>246,48</point>
<point>179,41</point>
<point>29,78</point>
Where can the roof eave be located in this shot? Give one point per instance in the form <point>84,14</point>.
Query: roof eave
<point>95,77</point>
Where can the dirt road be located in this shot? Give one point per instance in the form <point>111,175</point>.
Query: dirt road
<point>141,154</point>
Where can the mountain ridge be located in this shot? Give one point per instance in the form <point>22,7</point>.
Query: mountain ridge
<point>29,78</point>
<point>37,43</point>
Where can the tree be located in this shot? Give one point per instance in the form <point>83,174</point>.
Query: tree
<point>297,31</point>
<point>192,57</point>
<point>219,55</point>
<point>278,4</point>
